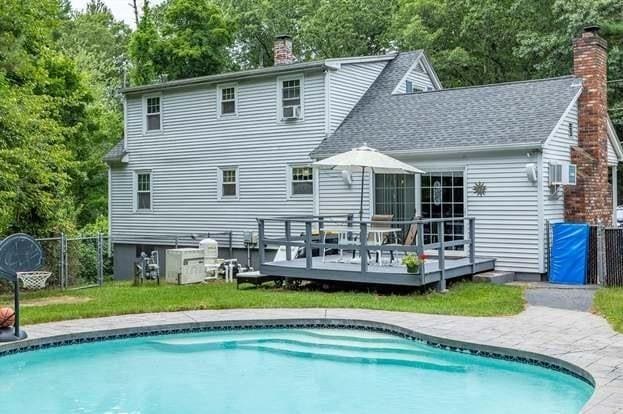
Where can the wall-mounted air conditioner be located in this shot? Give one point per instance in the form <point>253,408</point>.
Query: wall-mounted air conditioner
<point>291,112</point>
<point>562,174</point>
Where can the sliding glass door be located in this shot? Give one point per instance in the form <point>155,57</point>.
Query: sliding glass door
<point>443,197</point>
<point>395,195</point>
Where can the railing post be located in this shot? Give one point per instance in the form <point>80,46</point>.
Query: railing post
<point>441,254</point>
<point>260,248</point>
<point>308,247</point>
<point>288,230</point>
<point>363,247</point>
<point>472,243</point>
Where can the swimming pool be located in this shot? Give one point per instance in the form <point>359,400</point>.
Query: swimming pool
<point>278,371</point>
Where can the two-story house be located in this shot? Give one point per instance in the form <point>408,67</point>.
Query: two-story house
<point>212,153</point>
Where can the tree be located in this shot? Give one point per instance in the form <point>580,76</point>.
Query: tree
<point>180,39</point>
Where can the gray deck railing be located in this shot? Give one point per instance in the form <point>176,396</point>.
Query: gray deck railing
<point>311,238</point>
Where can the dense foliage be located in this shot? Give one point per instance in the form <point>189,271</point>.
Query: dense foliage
<point>60,70</point>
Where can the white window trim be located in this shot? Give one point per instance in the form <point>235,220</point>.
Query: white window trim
<point>219,100</point>
<point>220,182</point>
<point>289,177</point>
<point>135,191</point>
<point>153,131</point>
<point>280,81</point>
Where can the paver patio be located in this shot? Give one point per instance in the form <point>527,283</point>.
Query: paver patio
<point>579,338</point>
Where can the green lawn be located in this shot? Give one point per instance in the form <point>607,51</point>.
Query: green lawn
<point>609,303</point>
<point>466,298</point>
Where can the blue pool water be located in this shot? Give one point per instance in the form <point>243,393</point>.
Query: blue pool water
<point>278,371</point>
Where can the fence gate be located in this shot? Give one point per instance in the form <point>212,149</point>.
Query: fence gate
<point>605,264</point>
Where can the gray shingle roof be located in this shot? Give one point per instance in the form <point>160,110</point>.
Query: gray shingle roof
<point>116,153</point>
<point>516,113</point>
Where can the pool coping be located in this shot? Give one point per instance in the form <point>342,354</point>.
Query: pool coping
<point>529,337</point>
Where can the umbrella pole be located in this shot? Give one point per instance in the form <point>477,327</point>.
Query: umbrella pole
<point>363,174</point>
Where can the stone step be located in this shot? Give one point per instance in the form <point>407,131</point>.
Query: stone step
<point>497,277</point>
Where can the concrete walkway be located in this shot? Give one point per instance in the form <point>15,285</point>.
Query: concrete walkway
<point>579,338</point>
<point>571,297</point>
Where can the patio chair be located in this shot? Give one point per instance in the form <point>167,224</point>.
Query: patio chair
<point>408,240</point>
<point>379,221</point>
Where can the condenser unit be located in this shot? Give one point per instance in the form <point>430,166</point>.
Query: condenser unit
<point>562,174</point>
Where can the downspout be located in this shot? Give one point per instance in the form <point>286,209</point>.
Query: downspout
<point>109,210</point>
<point>540,212</point>
<point>615,194</point>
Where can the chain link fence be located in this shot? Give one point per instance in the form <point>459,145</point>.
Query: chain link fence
<point>76,262</point>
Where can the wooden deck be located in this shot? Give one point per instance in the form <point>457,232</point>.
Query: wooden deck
<point>331,270</point>
<point>437,270</point>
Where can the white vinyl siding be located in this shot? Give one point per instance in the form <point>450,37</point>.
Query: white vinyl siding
<point>195,142</point>
<point>612,155</point>
<point>419,78</point>
<point>347,86</point>
<point>558,149</point>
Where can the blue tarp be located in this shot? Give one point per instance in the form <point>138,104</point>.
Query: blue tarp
<point>569,255</point>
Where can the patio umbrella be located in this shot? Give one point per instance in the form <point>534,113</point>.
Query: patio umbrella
<point>362,158</point>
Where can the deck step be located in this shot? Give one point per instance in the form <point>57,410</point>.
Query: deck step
<point>496,277</point>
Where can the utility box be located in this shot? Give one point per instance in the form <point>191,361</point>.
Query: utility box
<point>185,266</point>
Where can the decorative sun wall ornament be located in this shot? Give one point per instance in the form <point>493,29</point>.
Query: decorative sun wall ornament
<point>480,189</point>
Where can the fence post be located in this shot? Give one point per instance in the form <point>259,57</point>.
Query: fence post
<point>308,247</point>
<point>288,230</point>
<point>441,254</point>
<point>363,247</point>
<point>100,259</point>
<point>62,275</point>
<point>260,236</point>
<point>601,256</point>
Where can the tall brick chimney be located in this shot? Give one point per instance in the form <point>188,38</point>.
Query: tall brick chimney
<point>590,200</point>
<point>282,50</point>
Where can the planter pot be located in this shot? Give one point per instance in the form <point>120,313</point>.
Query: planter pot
<point>413,269</point>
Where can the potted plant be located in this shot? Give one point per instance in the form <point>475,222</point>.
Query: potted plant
<point>413,262</point>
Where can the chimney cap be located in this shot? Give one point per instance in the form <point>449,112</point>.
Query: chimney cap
<point>283,36</point>
<point>591,28</point>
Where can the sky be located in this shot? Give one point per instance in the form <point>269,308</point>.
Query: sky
<point>120,8</point>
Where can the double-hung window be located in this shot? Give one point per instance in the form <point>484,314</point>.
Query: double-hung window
<point>227,100</point>
<point>291,100</point>
<point>302,180</point>
<point>153,113</point>
<point>228,186</point>
<point>143,191</point>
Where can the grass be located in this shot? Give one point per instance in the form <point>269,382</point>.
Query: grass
<point>609,303</point>
<point>464,298</point>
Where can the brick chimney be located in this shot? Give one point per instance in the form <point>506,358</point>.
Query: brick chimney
<point>282,50</point>
<point>590,201</point>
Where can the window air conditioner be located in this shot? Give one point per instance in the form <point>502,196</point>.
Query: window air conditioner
<point>291,112</point>
<point>562,174</point>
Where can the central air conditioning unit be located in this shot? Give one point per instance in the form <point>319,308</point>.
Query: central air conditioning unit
<point>562,174</point>
<point>291,112</point>
<point>184,266</point>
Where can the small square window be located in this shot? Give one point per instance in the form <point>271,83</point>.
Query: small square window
<point>152,115</point>
<point>228,100</point>
<point>229,182</point>
<point>302,180</point>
